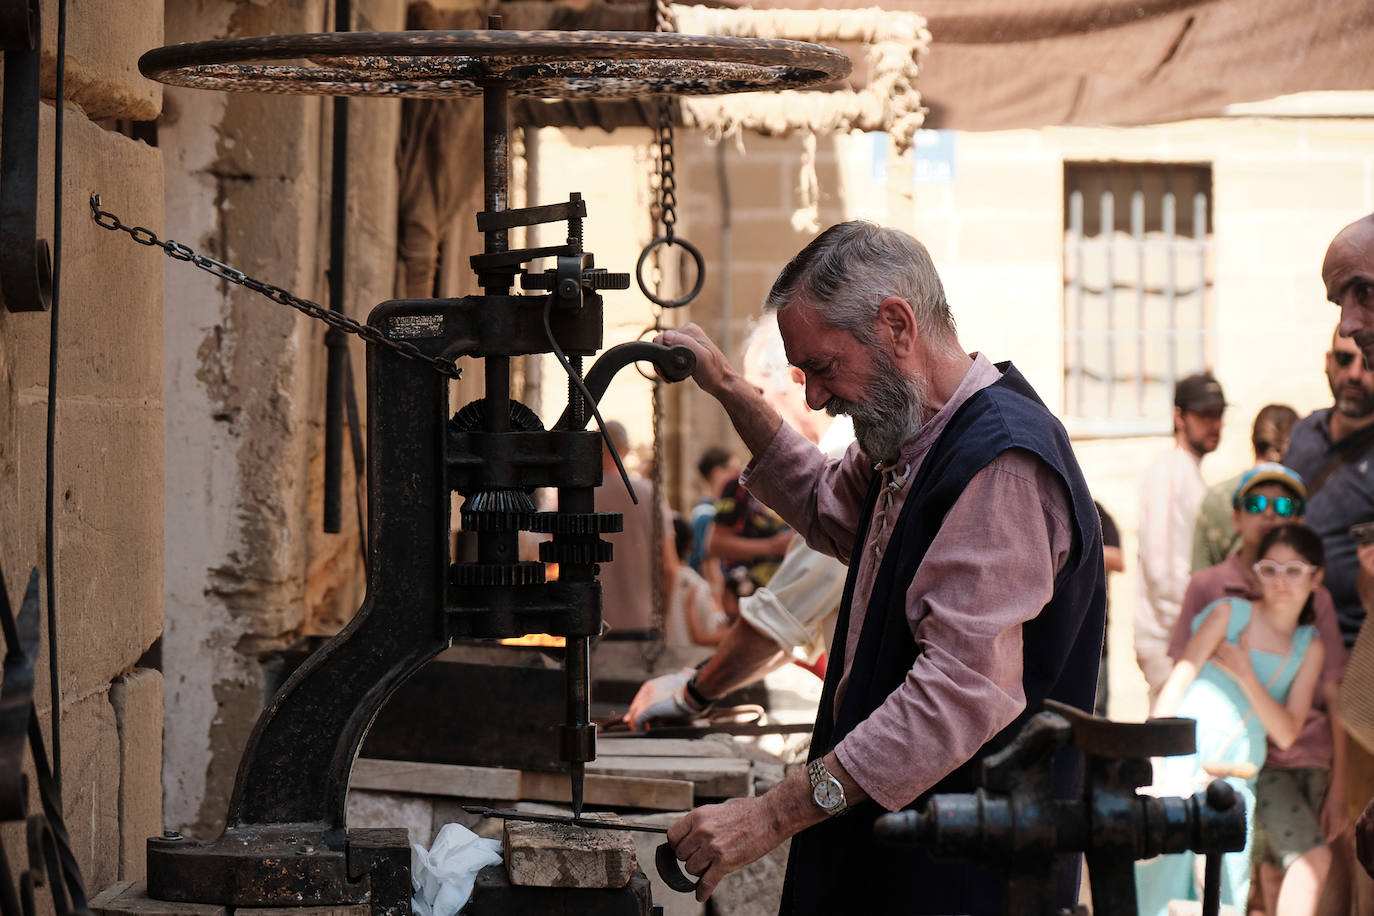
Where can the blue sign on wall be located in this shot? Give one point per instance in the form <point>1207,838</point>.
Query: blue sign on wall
<point>934,156</point>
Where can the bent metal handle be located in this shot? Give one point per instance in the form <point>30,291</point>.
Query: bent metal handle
<point>673,363</point>
<point>665,861</point>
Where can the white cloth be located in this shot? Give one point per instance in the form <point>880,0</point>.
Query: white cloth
<point>443,875</point>
<point>798,606</point>
<point>1170,498</point>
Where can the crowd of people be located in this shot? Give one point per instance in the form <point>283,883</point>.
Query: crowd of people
<point>942,565</point>
<point>1251,595</point>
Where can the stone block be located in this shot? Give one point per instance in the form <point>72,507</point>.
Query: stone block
<point>137,701</point>
<point>387,809</point>
<point>493,894</point>
<point>105,38</point>
<point>108,515</point>
<point>111,316</point>
<point>1006,187</point>
<point>130,898</point>
<point>559,855</point>
<point>1269,186</point>
<point>764,185</point>
<point>90,786</point>
<point>1035,238</point>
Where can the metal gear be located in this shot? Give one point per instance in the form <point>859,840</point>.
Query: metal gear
<point>469,575</point>
<point>577,523</point>
<point>585,553</point>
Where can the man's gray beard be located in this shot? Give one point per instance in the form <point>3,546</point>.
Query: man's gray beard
<point>891,413</point>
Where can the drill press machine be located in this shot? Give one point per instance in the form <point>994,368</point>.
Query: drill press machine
<point>286,842</point>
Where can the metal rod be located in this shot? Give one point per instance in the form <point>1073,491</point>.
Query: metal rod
<point>1200,243</point>
<point>578,676</point>
<point>334,339</point>
<point>1076,236</point>
<point>1107,231</point>
<point>591,823</point>
<point>1169,216</point>
<point>1138,236</point>
<point>50,537</point>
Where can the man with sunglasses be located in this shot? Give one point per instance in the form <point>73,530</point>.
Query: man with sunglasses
<point>1332,448</point>
<point>1300,792</point>
<point>1169,501</point>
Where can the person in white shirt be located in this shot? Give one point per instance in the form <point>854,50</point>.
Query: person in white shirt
<point>1169,502</point>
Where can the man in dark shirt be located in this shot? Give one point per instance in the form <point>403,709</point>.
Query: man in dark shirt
<point>1333,451</point>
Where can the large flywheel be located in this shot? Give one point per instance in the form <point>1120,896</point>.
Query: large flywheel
<point>544,64</point>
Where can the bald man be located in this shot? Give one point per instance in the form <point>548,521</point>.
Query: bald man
<point>1348,273</point>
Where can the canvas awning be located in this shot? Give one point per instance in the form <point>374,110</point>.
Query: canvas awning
<point>998,64</point>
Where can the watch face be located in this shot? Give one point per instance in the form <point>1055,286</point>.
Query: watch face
<point>827,794</point>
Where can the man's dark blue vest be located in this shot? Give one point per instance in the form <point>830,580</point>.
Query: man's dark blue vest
<point>836,866</point>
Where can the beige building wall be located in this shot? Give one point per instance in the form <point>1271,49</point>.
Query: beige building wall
<point>107,533</point>
<point>249,569</point>
<point>1286,176</point>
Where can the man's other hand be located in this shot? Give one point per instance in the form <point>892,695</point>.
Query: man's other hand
<point>712,366</point>
<point>661,697</point>
<point>717,839</point>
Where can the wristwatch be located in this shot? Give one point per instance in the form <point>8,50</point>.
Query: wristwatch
<point>826,790</point>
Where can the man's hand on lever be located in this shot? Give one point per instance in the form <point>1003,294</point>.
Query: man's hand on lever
<point>754,419</point>
<point>714,840</point>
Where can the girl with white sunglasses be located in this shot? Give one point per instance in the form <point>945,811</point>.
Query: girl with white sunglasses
<point>1250,671</point>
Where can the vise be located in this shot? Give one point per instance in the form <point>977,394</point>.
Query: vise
<point>1016,822</point>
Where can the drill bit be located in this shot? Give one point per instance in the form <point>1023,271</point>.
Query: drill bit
<point>579,735</point>
<point>578,770</point>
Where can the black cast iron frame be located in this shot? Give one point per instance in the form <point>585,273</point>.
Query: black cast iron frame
<point>286,842</point>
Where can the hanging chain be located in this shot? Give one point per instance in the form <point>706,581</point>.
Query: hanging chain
<point>179,252</point>
<point>662,528</point>
<point>667,180</point>
<point>666,208</point>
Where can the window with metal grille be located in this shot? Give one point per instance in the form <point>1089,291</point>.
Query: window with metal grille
<point>1137,291</point>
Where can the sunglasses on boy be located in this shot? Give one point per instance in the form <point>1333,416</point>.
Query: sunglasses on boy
<point>1293,570</point>
<point>1284,506</point>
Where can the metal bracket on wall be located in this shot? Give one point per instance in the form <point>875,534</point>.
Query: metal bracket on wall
<point>25,259</point>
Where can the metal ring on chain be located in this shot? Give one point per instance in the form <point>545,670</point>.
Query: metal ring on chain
<point>696,287</point>
<point>543,64</point>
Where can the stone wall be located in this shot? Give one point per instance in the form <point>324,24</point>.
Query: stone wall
<point>250,570</point>
<point>108,472</point>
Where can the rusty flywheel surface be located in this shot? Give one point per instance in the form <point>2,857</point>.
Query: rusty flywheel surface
<point>545,64</point>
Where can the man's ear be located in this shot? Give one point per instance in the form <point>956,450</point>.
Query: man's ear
<point>896,322</point>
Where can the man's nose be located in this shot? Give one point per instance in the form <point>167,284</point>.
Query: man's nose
<point>817,395</point>
<point>1352,318</point>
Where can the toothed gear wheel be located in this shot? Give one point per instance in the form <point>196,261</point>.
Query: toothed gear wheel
<point>577,523</point>
<point>576,554</point>
<point>484,574</point>
<point>472,418</point>
<point>496,521</point>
